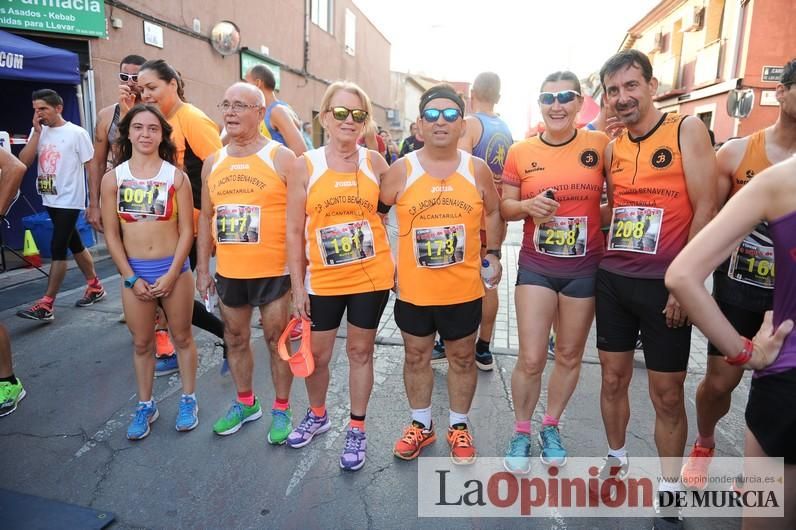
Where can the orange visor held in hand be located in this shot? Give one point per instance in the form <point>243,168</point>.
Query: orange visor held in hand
<point>302,363</point>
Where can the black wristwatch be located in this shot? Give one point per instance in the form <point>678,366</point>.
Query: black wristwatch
<point>495,252</point>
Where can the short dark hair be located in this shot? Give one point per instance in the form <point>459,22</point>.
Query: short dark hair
<point>132,59</point>
<point>264,74</point>
<point>789,73</point>
<point>486,87</point>
<point>626,59</point>
<point>166,72</point>
<point>166,150</point>
<point>565,75</point>
<point>51,97</point>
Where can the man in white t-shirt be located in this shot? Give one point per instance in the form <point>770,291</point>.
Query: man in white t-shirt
<point>63,149</point>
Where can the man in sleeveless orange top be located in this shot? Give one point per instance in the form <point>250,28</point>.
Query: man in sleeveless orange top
<point>440,193</point>
<point>661,192</point>
<point>743,286</point>
<point>244,205</point>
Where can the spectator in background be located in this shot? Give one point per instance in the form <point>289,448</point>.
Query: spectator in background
<point>281,122</point>
<point>306,132</point>
<point>411,142</point>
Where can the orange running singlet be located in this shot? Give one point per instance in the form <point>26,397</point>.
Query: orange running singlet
<point>346,243</point>
<point>652,211</point>
<point>571,245</point>
<point>439,260</point>
<point>754,161</point>
<point>249,203</point>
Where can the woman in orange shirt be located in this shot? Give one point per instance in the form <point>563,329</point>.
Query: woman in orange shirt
<point>553,183</point>
<point>339,260</point>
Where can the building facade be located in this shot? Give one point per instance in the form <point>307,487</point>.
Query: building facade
<point>703,49</point>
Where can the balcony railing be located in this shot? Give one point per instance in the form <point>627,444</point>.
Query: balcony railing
<point>707,64</point>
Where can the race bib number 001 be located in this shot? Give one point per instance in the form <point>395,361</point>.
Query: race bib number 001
<point>142,198</point>
<point>439,246</point>
<point>45,185</point>
<point>753,264</point>
<point>237,223</point>
<point>635,229</point>
<point>563,237</point>
<point>346,242</point>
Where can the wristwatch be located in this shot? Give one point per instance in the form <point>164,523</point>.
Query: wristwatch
<point>130,282</point>
<point>495,252</point>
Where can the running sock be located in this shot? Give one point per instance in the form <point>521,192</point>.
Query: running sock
<point>281,404</point>
<point>319,412</point>
<point>707,442</point>
<point>523,427</point>
<point>665,485</point>
<point>620,453</point>
<point>482,346</point>
<point>549,420</point>
<point>357,422</point>
<point>48,300</point>
<point>94,283</point>
<point>147,403</point>
<point>246,398</point>
<point>10,379</point>
<point>456,418</point>
<point>422,416</point>
<point>192,395</point>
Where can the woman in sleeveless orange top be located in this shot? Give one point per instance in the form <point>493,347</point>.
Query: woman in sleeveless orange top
<point>339,259</point>
<point>553,183</point>
<point>152,257</point>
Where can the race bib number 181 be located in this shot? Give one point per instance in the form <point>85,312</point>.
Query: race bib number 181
<point>346,242</point>
<point>635,229</point>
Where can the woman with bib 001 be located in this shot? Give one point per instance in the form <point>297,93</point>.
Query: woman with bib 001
<point>553,182</point>
<point>146,205</point>
<point>339,260</point>
<point>195,138</point>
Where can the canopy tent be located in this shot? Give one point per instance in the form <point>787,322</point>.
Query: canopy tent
<point>25,66</point>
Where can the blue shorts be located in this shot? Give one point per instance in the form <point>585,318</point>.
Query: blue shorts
<point>572,287</point>
<point>150,270</point>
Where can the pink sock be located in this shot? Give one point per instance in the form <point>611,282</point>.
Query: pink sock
<point>705,441</point>
<point>281,404</point>
<point>549,420</point>
<point>523,427</point>
<point>246,398</point>
<point>48,300</point>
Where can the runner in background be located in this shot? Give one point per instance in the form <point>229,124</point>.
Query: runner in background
<point>553,181</point>
<point>411,142</point>
<point>11,391</point>
<point>195,137</point>
<point>280,121</point>
<point>743,286</point>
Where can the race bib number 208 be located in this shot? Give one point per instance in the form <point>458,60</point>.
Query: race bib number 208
<point>635,229</point>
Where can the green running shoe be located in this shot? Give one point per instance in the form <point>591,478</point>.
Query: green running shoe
<point>281,426</point>
<point>10,396</point>
<point>237,415</point>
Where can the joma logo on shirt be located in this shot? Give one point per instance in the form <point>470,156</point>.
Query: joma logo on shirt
<point>345,184</point>
<point>440,189</point>
<point>238,167</point>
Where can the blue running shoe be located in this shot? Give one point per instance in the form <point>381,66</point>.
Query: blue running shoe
<point>438,353</point>
<point>553,452</point>
<point>353,457</point>
<point>518,456</point>
<point>187,418</point>
<point>166,365</point>
<point>144,415</point>
<point>308,428</point>
<point>484,361</point>
<point>551,345</point>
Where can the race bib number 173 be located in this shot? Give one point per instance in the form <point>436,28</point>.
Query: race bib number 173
<point>439,246</point>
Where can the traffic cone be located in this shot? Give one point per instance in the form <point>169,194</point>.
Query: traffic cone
<point>30,251</point>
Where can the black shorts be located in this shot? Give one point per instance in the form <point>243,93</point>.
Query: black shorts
<point>256,292</point>
<point>625,306</point>
<point>771,414</point>
<point>572,287</point>
<point>749,297</point>
<point>745,322</point>
<point>65,234</point>
<point>452,322</point>
<point>363,310</point>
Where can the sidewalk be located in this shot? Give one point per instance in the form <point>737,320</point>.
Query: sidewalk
<point>505,340</point>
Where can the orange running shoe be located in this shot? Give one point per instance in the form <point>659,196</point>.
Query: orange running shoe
<point>695,471</point>
<point>461,442</point>
<point>415,438</point>
<point>163,344</point>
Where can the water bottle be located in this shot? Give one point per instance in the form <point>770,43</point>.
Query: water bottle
<point>210,301</point>
<point>487,273</point>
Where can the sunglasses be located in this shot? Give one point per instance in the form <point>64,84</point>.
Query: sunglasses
<point>341,113</point>
<point>449,115</point>
<point>128,77</point>
<point>563,97</point>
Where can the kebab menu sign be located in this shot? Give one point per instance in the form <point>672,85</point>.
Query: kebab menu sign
<point>73,17</point>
